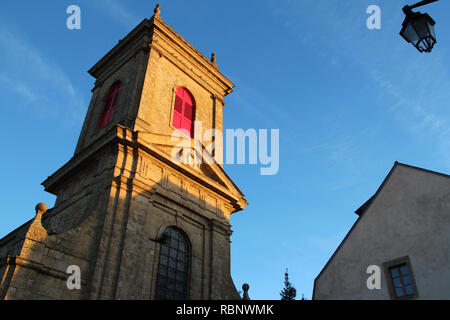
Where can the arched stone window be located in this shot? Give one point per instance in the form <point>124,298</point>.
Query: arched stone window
<point>110,104</point>
<point>172,282</point>
<point>184,112</point>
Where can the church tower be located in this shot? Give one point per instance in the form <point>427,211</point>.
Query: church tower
<point>129,219</point>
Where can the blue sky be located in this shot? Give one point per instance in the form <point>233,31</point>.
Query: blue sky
<point>348,101</point>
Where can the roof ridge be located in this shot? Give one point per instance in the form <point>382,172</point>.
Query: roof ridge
<point>179,36</point>
<point>423,169</point>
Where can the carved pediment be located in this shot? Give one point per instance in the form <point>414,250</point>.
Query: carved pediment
<point>193,155</point>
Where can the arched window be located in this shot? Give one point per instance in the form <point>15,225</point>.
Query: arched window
<point>110,104</point>
<point>184,112</point>
<point>173,268</point>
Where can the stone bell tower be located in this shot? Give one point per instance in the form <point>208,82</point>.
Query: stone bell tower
<point>136,223</point>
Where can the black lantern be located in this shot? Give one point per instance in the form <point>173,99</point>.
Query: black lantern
<point>418,28</point>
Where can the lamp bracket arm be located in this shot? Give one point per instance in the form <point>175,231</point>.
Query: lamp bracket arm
<point>421,3</point>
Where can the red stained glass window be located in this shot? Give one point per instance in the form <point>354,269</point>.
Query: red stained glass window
<point>183,112</point>
<point>110,105</point>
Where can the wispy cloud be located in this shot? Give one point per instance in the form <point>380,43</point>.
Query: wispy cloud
<point>22,53</point>
<point>412,89</point>
<point>18,87</point>
<point>38,81</point>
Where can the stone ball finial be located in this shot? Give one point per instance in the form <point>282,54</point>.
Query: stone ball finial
<point>245,287</point>
<point>41,208</point>
<point>213,58</point>
<point>157,10</point>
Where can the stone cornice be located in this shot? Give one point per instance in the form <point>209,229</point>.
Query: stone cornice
<point>36,266</point>
<point>125,136</point>
<point>237,198</point>
<point>85,154</point>
<point>168,40</point>
<point>218,226</point>
<point>157,34</point>
<point>140,35</point>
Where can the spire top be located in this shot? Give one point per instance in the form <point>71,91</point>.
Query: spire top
<point>157,10</point>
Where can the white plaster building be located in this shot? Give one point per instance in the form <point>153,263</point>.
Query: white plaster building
<point>405,230</point>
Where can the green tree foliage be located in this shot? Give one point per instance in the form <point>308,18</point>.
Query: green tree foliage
<point>288,292</point>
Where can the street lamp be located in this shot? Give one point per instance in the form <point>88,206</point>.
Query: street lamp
<point>418,28</point>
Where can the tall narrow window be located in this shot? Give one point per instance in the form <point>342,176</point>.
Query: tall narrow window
<point>183,112</point>
<point>110,104</point>
<point>173,269</point>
